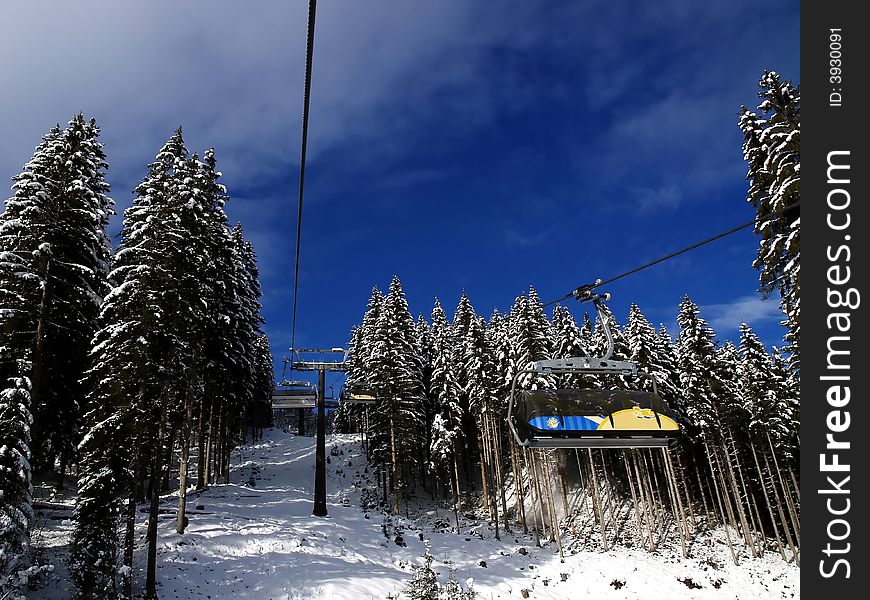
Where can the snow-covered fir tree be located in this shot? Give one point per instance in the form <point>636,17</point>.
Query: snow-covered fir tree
<point>54,255</point>
<point>16,513</point>
<point>361,368</point>
<point>771,148</point>
<point>396,368</point>
<point>531,338</point>
<point>568,343</point>
<point>447,433</point>
<point>698,366</point>
<point>56,222</point>
<point>498,330</point>
<point>182,320</point>
<point>424,581</point>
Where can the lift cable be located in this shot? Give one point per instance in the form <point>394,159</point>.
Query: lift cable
<point>584,290</point>
<point>309,56</point>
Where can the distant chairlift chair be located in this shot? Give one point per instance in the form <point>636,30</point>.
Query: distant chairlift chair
<point>590,418</point>
<point>358,393</point>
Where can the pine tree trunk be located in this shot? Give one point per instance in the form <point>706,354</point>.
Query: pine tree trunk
<point>483,482</point>
<point>722,509</point>
<point>38,343</point>
<point>129,543</point>
<point>519,487</point>
<point>676,502</point>
<point>596,501</point>
<point>170,447</point>
<point>181,517</point>
<point>554,519</point>
<point>767,501</point>
<point>785,527</point>
<point>730,451</point>
<point>201,442</point>
<point>395,469</point>
<point>209,446</point>
<point>536,497</point>
<point>711,519</point>
<point>647,518</point>
<point>795,520</point>
<point>156,476</point>
<point>499,469</point>
<point>634,501</point>
<point>454,480</point>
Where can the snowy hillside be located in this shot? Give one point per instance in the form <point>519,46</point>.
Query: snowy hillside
<point>255,538</point>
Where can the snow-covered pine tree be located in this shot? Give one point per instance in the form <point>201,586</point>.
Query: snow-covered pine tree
<point>498,330</point>
<point>149,355</point>
<point>707,377</point>
<point>651,354</point>
<point>447,434</point>
<point>568,343</point>
<point>347,414</point>
<point>696,359</point>
<point>397,371</point>
<point>771,148</point>
<point>531,338</point>
<point>424,581</point>
<point>452,589</point>
<point>56,223</point>
<point>425,350</point>
<point>16,513</point>
<point>487,412</point>
<point>264,384</point>
<point>361,371</point>
<point>463,320</point>
<point>754,378</point>
<point>786,391</point>
<point>54,256</point>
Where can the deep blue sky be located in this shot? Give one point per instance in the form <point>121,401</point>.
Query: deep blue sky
<point>484,146</point>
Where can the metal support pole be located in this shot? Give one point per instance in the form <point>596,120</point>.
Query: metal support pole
<point>320,459</point>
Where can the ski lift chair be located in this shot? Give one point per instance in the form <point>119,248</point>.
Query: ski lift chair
<point>358,393</point>
<point>295,394</point>
<point>590,418</point>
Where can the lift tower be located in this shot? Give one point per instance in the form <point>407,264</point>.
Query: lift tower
<point>321,361</point>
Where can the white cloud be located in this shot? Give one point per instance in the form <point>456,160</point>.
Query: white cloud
<point>753,310</point>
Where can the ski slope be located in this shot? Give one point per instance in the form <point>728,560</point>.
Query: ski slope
<point>256,538</point>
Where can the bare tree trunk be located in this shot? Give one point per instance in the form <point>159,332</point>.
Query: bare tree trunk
<point>181,517</point>
<point>596,501</point>
<point>129,541</point>
<point>634,501</point>
<point>537,497</point>
<point>785,527</point>
<point>454,480</point>
<point>200,438</point>
<point>156,476</point>
<point>554,518</point>
<point>767,501</point>
<point>795,520</point>
<point>722,509</point>
<point>500,479</point>
<point>676,502</point>
<point>208,457</point>
<point>39,340</point>
<point>483,454</point>
<point>519,488</point>
<point>647,517</point>
<point>731,456</point>
<point>394,468</point>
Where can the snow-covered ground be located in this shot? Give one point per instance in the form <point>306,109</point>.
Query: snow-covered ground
<point>256,538</point>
